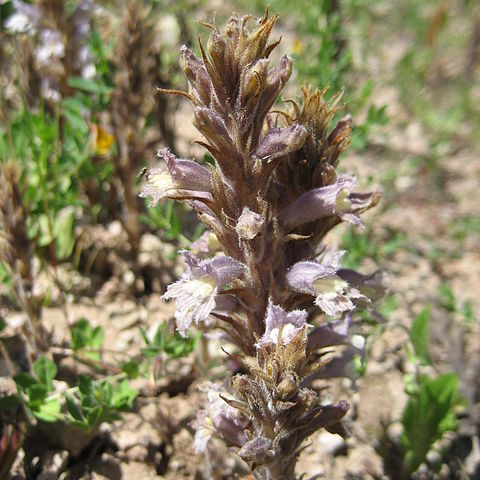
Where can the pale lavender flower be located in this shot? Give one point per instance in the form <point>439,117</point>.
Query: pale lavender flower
<point>373,286</point>
<point>218,417</point>
<point>197,288</point>
<point>332,294</point>
<point>336,333</point>
<point>336,199</point>
<point>276,318</point>
<point>206,244</point>
<point>182,179</point>
<point>249,224</point>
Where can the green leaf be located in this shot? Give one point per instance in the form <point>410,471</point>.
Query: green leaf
<point>95,416</point>
<point>124,396</point>
<point>84,337</point>
<point>80,334</point>
<point>179,346</point>
<point>86,386</point>
<point>63,231</point>
<point>419,336</point>
<point>429,413</point>
<point>97,337</point>
<point>25,380</point>
<point>46,371</point>
<point>44,236</point>
<point>8,403</point>
<point>36,395</point>
<point>73,408</point>
<point>447,297</point>
<point>144,336</point>
<point>3,324</point>
<point>48,411</point>
<point>89,85</point>
<point>80,424</point>
<point>159,337</point>
<point>151,352</point>
<point>131,368</point>
<point>5,277</point>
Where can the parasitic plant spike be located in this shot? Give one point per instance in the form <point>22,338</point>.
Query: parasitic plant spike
<point>269,199</point>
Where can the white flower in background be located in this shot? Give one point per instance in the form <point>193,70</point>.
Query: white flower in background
<point>51,46</point>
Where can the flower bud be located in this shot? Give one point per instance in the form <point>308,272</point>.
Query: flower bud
<point>249,224</point>
<point>256,450</point>
<point>279,142</point>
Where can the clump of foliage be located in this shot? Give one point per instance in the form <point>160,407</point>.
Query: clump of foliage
<point>432,401</point>
<point>81,113</point>
<point>270,197</point>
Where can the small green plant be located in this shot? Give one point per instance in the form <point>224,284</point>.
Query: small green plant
<point>169,342</point>
<point>54,160</point>
<point>87,339</point>
<point>94,402</point>
<point>432,401</point>
<point>361,245</point>
<point>163,345</point>
<point>36,390</point>
<point>462,311</point>
<point>84,406</point>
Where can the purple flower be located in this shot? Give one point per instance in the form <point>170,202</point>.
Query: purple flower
<point>197,288</point>
<point>183,179</point>
<point>336,199</point>
<point>218,417</point>
<point>207,244</point>
<point>330,334</point>
<point>372,286</point>
<point>292,322</point>
<point>332,294</point>
<point>281,141</point>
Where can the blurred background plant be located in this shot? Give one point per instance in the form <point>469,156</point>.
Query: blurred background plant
<point>81,115</point>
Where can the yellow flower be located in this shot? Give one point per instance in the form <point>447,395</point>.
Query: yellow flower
<point>101,141</point>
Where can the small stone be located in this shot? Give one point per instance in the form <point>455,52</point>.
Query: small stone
<point>138,453</point>
<point>395,431</point>
<point>115,228</point>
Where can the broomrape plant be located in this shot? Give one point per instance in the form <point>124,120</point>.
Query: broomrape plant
<point>270,198</point>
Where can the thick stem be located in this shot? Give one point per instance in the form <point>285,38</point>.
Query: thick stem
<point>278,470</point>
